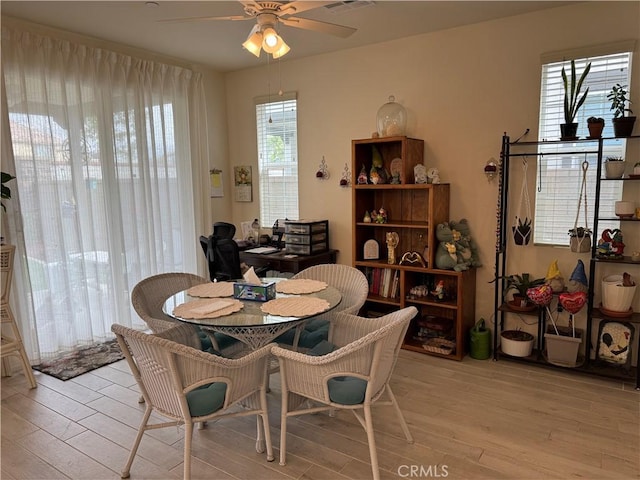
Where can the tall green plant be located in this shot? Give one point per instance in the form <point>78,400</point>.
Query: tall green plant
<point>572,91</point>
<point>5,193</point>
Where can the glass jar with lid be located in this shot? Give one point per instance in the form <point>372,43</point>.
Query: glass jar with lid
<point>391,119</point>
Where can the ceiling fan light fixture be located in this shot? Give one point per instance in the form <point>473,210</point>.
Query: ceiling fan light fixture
<point>254,41</point>
<point>271,41</point>
<point>282,51</point>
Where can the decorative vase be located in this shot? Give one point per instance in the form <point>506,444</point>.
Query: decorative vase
<point>623,126</point>
<point>625,209</point>
<point>568,131</point>
<point>614,169</point>
<point>391,119</point>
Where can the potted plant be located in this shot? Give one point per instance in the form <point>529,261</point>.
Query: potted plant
<point>580,239</point>
<point>519,284</point>
<point>572,100</point>
<point>595,126</point>
<point>5,191</point>
<point>516,343</point>
<point>614,167</point>
<point>622,125</point>
<point>522,231</point>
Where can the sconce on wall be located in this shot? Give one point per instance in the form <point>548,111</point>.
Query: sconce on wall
<point>345,181</point>
<point>491,169</point>
<point>323,171</point>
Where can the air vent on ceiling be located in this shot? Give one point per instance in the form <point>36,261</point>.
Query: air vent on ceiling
<point>347,5</point>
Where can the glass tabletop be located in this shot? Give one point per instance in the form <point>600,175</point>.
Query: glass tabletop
<point>251,315</point>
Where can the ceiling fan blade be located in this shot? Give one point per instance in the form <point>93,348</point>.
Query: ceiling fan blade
<point>299,6</point>
<point>205,19</point>
<point>317,26</point>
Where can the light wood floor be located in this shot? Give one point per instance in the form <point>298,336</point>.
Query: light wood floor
<point>471,420</point>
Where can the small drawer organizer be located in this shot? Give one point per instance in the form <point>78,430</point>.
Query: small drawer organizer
<point>304,237</point>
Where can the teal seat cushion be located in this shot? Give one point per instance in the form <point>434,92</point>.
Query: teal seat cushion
<point>308,337</point>
<point>224,341</point>
<point>322,348</point>
<point>206,399</point>
<point>347,390</point>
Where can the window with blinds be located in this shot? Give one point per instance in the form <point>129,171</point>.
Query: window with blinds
<point>560,168</point>
<point>277,158</point>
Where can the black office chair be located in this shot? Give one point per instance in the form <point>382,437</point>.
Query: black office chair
<point>223,257</point>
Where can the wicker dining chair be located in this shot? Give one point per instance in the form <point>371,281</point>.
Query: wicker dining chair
<point>186,385</point>
<point>354,288</point>
<point>149,295</point>
<point>353,375</point>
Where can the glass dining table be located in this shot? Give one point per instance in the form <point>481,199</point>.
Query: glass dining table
<point>250,324</point>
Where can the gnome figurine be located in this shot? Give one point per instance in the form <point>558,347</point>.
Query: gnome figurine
<point>554,278</point>
<point>578,281</point>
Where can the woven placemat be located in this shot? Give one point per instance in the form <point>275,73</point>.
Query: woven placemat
<point>207,308</point>
<point>300,286</point>
<point>211,290</point>
<point>295,306</point>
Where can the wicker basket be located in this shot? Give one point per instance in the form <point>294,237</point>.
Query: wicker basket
<point>440,345</point>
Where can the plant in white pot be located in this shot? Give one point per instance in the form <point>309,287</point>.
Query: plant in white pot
<point>572,100</point>
<point>622,124</point>
<point>614,167</point>
<point>516,343</point>
<point>618,292</point>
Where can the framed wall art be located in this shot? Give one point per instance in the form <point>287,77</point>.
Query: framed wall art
<point>242,184</point>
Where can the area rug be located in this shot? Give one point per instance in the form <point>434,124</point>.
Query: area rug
<point>82,360</point>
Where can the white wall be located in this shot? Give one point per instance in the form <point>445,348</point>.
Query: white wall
<point>462,89</point>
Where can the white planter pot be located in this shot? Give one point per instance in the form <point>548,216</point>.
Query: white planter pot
<point>563,350</point>
<point>516,348</point>
<point>614,169</point>
<point>615,296</point>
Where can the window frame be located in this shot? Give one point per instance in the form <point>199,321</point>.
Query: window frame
<point>277,136</point>
<point>559,164</point>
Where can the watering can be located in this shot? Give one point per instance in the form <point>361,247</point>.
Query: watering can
<point>480,341</point>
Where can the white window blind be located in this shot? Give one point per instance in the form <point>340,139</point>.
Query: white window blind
<point>560,167</point>
<point>277,128</point>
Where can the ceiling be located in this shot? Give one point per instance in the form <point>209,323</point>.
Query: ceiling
<point>217,44</point>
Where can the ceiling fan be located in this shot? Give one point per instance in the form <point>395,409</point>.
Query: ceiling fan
<point>268,15</point>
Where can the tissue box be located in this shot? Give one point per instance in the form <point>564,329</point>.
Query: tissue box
<point>248,291</point>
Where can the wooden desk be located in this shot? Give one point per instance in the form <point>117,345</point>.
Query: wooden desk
<point>284,262</point>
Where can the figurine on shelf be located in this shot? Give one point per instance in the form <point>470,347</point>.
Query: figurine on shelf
<point>610,244</point>
<point>381,216</point>
<point>395,178</point>
<point>438,292</point>
<point>578,281</point>
<point>392,242</point>
<point>367,217</point>
<point>554,277</point>
<point>362,176</point>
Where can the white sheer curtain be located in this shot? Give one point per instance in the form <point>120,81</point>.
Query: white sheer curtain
<point>103,148</point>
